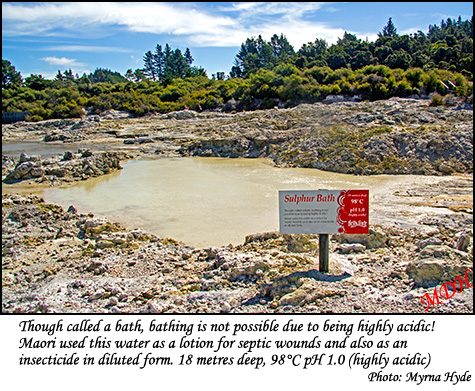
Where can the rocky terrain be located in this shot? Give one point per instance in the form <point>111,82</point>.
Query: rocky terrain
<point>61,261</point>
<point>397,136</point>
<point>56,260</point>
<point>69,167</point>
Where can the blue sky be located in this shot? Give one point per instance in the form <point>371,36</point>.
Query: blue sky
<point>42,38</point>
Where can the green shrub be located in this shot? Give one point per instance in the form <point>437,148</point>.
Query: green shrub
<point>172,94</point>
<point>414,77</point>
<point>436,100</point>
<point>403,89</point>
<point>33,118</point>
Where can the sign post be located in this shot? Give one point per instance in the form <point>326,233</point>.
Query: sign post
<point>324,212</point>
<point>323,253</point>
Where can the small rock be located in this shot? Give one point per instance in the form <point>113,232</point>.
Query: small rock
<point>463,241</point>
<point>408,296</point>
<point>376,238</point>
<point>428,242</point>
<point>347,248</point>
<point>225,307</point>
<point>113,301</point>
<point>68,155</point>
<point>99,294</point>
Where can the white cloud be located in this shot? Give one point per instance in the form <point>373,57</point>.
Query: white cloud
<point>274,8</point>
<point>156,18</point>
<point>62,61</point>
<point>288,18</point>
<point>224,26</point>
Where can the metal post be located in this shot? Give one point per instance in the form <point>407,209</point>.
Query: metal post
<point>323,252</point>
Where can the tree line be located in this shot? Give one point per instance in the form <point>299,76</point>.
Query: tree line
<point>448,46</point>
<point>264,74</point>
<point>167,64</point>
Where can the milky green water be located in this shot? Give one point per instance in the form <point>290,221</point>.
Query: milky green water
<point>212,201</point>
<point>14,149</point>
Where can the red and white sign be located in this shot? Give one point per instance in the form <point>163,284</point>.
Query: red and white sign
<point>324,212</point>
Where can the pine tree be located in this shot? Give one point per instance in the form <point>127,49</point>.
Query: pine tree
<point>389,30</point>
<point>281,48</point>
<point>150,69</point>
<point>159,62</point>
<point>167,64</point>
<point>10,77</point>
<point>188,58</point>
<point>179,65</point>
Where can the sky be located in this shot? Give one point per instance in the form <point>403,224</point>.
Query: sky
<point>42,38</point>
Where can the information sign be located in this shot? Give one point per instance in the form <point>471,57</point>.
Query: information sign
<point>324,212</point>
